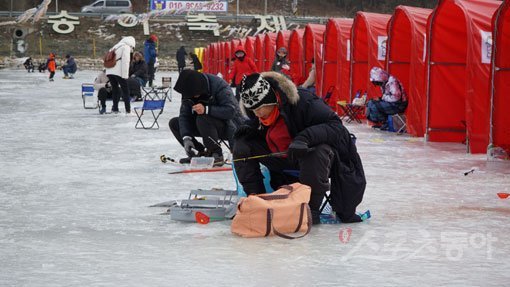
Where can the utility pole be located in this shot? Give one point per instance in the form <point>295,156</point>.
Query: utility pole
<point>10,13</point>
<point>237,11</point>
<point>265,7</point>
<point>56,6</point>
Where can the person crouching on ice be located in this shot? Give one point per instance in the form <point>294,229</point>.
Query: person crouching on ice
<point>316,142</point>
<point>208,110</point>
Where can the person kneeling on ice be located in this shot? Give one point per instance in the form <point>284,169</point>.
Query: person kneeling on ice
<point>313,137</point>
<point>208,110</point>
<point>393,99</point>
<point>69,68</point>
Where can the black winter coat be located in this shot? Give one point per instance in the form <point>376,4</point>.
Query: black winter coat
<point>139,69</point>
<point>180,56</point>
<point>311,120</point>
<point>221,104</point>
<point>196,62</point>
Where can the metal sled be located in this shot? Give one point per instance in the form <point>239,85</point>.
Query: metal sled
<point>217,204</point>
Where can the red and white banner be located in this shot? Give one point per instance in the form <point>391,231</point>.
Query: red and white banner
<point>195,6</point>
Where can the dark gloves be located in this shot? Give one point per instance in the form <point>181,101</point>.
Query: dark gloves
<point>245,132</point>
<point>189,147</point>
<point>297,149</point>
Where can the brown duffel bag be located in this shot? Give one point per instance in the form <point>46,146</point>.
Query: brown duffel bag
<point>280,213</point>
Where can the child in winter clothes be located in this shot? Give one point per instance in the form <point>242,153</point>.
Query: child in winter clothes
<point>51,65</point>
<point>281,65</point>
<point>243,66</point>
<point>150,54</point>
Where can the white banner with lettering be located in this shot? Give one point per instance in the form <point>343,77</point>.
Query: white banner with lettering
<point>185,6</point>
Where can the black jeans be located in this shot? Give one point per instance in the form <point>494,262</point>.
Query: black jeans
<point>151,72</point>
<point>102,95</point>
<point>119,88</point>
<point>211,130</point>
<point>314,168</point>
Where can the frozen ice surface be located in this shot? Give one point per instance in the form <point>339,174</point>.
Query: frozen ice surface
<point>75,187</point>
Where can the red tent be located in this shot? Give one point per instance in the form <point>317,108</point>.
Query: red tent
<point>227,56</point>
<point>234,43</point>
<point>206,59</point>
<point>295,56</point>
<point>312,47</point>
<point>215,66</point>
<point>336,60</point>
<point>269,50</point>
<point>368,50</point>
<point>220,58</point>
<point>282,38</point>
<point>259,52</point>
<point>249,46</point>
<point>500,92</point>
<point>405,59</point>
<point>458,72</point>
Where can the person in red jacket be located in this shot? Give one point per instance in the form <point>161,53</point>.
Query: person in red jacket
<point>51,65</point>
<point>243,65</point>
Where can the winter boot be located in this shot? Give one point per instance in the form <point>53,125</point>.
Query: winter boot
<point>316,217</point>
<point>102,110</point>
<point>218,159</point>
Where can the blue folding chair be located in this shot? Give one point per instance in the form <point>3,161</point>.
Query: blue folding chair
<point>88,96</point>
<point>153,101</point>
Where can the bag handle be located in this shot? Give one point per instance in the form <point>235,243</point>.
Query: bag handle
<point>301,216</point>
<point>270,196</point>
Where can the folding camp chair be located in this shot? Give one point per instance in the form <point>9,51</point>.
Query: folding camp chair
<point>88,96</point>
<point>355,110</point>
<point>153,101</point>
<point>166,82</point>
<point>397,123</point>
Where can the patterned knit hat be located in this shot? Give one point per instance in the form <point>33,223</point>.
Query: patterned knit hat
<point>378,75</point>
<point>256,92</point>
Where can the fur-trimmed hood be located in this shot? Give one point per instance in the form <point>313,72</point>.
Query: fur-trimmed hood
<point>281,84</point>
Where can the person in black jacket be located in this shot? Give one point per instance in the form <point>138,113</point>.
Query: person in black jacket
<point>138,75</point>
<point>181,58</point>
<point>285,119</point>
<point>29,65</point>
<point>208,110</point>
<point>196,62</point>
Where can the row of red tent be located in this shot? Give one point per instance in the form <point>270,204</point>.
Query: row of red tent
<point>451,61</point>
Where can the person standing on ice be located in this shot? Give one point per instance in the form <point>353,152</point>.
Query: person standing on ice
<point>150,54</point>
<point>180,56</point>
<point>393,99</point>
<point>316,143</point>
<point>51,66</point>
<point>281,65</point>
<point>119,74</point>
<point>197,66</point>
<point>208,110</point>
<point>242,66</point>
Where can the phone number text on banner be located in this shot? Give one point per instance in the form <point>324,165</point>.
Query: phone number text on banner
<point>184,6</point>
